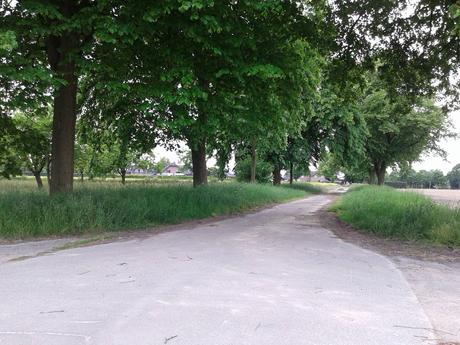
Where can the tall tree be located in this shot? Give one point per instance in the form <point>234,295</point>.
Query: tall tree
<point>400,130</point>
<point>53,45</point>
<point>454,177</point>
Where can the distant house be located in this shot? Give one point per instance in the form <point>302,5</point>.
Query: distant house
<point>137,171</point>
<point>313,177</point>
<point>170,170</point>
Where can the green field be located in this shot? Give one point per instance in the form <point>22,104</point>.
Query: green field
<point>96,207</point>
<point>395,214</point>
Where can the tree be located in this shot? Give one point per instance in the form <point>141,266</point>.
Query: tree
<point>146,162</point>
<point>332,165</point>
<point>437,179</point>
<point>186,161</point>
<point>53,47</point>
<point>329,167</point>
<point>33,142</point>
<point>162,164</point>
<point>83,159</point>
<point>243,171</point>
<point>228,65</point>
<point>9,162</point>
<point>417,43</point>
<point>454,177</point>
<point>49,37</point>
<point>400,130</point>
<point>300,151</point>
<point>455,12</point>
<point>331,126</point>
<point>124,157</point>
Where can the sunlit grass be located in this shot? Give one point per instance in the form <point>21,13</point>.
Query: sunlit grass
<point>95,207</point>
<point>391,213</point>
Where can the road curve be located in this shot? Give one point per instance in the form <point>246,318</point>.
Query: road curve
<point>274,277</point>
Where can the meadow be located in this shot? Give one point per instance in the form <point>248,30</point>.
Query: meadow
<point>105,205</point>
<point>395,214</point>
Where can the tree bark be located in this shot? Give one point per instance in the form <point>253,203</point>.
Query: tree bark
<point>122,172</point>
<point>48,171</point>
<point>200,172</point>
<point>372,176</point>
<point>38,178</point>
<point>63,137</point>
<point>253,162</point>
<point>276,175</point>
<point>291,173</point>
<point>380,170</point>
<point>60,52</point>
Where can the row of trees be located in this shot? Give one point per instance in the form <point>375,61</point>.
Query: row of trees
<point>282,81</point>
<point>426,179</point>
<point>29,149</point>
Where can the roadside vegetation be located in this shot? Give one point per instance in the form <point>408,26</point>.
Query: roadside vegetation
<point>308,187</point>
<point>396,214</point>
<point>96,207</point>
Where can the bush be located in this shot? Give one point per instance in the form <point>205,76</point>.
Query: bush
<point>263,171</point>
<point>406,215</point>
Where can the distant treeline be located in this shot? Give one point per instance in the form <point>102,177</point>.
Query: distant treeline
<point>425,178</point>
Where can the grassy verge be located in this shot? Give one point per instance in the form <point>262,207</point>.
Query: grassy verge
<point>306,187</point>
<point>391,213</point>
<point>95,208</point>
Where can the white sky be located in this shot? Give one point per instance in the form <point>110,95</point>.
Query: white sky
<point>452,146</point>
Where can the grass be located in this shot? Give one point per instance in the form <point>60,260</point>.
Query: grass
<point>306,187</point>
<point>391,213</point>
<point>96,207</point>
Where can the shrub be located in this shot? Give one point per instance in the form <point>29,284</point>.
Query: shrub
<point>263,171</point>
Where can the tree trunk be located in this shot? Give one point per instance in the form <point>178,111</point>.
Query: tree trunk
<point>82,176</point>
<point>63,137</point>
<point>372,176</point>
<point>291,173</point>
<point>38,178</point>
<point>380,170</point>
<point>253,162</point>
<point>48,171</point>
<point>60,52</point>
<point>200,172</point>
<point>276,176</point>
<point>122,172</point>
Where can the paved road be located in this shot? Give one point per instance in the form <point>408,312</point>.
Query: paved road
<point>271,278</point>
<point>437,286</point>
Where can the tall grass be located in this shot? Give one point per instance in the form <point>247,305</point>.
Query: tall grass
<point>306,187</point>
<point>98,207</point>
<point>391,213</point>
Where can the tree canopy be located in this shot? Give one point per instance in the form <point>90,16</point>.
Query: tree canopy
<point>290,81</point>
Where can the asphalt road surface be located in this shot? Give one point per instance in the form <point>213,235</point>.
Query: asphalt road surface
<point>274,277</point>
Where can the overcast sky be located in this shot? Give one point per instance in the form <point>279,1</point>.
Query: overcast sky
<point>452,147</point>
